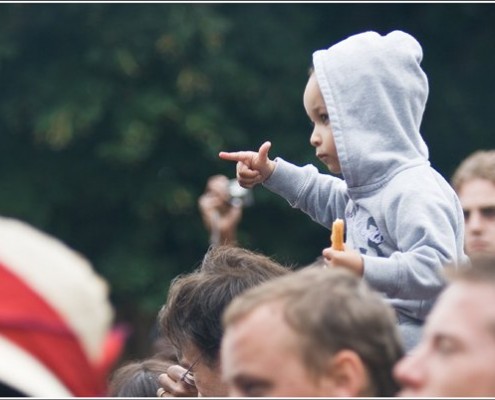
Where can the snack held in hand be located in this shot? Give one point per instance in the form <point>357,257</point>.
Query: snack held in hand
<point>337,237</point>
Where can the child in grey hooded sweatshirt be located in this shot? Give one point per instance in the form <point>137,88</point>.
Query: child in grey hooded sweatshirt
<point>404,223</point>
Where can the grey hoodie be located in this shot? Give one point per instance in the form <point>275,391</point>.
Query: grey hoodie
<point>401,214</point>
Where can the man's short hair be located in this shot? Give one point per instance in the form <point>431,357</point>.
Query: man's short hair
<point>480,164</point>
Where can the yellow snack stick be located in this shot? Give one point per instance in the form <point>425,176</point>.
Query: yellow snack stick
<point>337,236</point>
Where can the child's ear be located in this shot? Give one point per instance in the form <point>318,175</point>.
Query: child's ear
<point>349,375</point>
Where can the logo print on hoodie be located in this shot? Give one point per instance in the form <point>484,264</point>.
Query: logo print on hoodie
<point>373,237</point>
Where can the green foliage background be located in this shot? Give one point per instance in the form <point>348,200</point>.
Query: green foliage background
<point>112,116</point>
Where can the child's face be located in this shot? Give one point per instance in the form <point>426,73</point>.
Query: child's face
<point>322,135</point>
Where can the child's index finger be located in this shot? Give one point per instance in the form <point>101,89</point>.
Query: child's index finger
<point>234,155</point>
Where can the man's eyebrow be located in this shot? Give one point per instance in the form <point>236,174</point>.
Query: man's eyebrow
<point>482,208</point>
<point>247,377</point>
<point>243,379</point>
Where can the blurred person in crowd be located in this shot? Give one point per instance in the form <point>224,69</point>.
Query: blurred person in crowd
<point>137,378</point>
<point>455,356</point>
<point>56,336</point>
<point>191,316</point>
<point>365,98</point>
<point>474,182</point>
<point>221,206</point>
<point>314,333</point>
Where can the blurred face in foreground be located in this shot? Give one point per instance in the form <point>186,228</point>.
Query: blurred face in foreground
<point>456,355</point>
<point>477,198</point>
<point>261,357</point>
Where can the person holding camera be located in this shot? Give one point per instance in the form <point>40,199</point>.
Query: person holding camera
<point>191,316</point>
<point>221,206</point>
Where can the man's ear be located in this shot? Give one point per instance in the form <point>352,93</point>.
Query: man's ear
<point>349,375</point>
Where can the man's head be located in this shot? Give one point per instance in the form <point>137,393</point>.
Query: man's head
<point>315,333</point>
<point>474,182</point>
<point>191,316</point>
<point>455,356</point>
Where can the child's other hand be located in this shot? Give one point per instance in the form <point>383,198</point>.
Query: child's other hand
<point>349,259</point>
<point>252,167</point>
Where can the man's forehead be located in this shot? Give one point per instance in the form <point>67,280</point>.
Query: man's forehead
<point>477,188</point>
<point>462,300</point>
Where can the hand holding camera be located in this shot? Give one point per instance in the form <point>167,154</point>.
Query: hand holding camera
<point>238,195</point>
<point>221,207</point>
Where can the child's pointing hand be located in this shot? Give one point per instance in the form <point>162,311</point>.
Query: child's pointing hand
<point>252,167</point>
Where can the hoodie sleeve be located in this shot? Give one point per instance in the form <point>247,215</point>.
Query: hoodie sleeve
<point>427,227</point>
<point>323,197</point>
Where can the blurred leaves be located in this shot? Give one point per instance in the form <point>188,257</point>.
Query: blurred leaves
<point>112,116</point>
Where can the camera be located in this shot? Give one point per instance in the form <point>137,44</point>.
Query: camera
<point>239,196</point>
